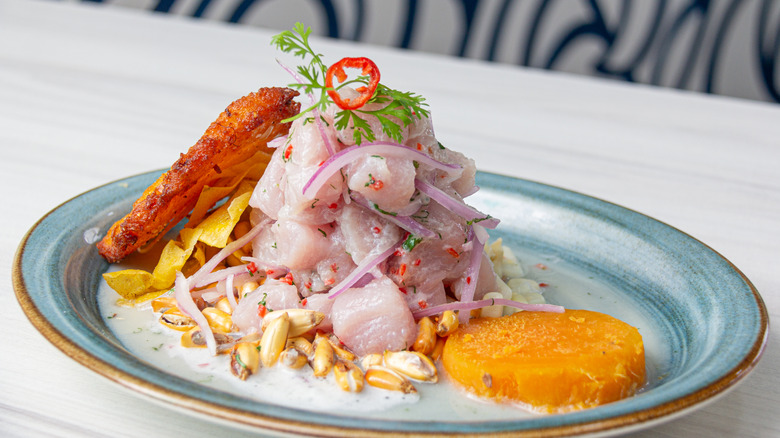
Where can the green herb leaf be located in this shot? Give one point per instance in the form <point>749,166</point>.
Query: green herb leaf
<point>410,242</point>
<point>396,106</point>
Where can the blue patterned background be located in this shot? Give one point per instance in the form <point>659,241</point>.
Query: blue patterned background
<point>727,47</point>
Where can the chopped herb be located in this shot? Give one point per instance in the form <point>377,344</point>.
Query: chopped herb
<point>395,106</point>
<point>138,330</point>
<point>323,232</point>
<point>112,316</point>
<point>390,213</point>
<point>240,362</point>
<point>477,220</point>
<point>410,242</point>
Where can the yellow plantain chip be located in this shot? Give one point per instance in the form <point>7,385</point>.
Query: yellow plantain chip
<point>208,197</point>
<point>217,227</point>
<point>173,257</point>
<point>129,283</point>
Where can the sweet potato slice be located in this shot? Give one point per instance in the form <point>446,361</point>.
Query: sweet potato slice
<point>547,362</point>
<point>236,139</point>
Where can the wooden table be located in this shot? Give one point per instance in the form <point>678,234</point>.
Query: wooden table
<point>89,95</point>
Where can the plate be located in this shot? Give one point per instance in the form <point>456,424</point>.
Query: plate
<point>709,323</point>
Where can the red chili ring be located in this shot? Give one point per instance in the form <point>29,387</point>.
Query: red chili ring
<point>367,67</point>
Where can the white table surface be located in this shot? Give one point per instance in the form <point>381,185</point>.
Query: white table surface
<point>89,95</point>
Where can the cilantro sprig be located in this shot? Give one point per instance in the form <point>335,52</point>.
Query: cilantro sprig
<point>396,109</point>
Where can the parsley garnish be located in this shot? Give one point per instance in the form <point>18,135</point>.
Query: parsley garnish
<point>396,106</point>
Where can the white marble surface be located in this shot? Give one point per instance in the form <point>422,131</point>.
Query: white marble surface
<point>89,95</point>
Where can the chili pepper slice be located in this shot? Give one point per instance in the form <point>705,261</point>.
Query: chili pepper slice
<point>367,67</point>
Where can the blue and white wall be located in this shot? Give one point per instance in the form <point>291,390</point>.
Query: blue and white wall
<point>728,47</point>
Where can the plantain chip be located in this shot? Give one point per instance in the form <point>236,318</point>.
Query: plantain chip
<point>217,227</point>
<point>173,257</point>
<point>129,283</point>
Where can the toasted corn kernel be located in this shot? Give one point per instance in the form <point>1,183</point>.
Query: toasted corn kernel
<point>438,349</point>
<point>252,337</point>
<point>495,311</point>
<point>175,319</point>
<point>193,338</point>
<point>448,323</point>
<point>274,340</point>
<point>293,358</point>
<point>301,320</point>
<point>324,358</point>
<point>235,258</point>
<point>412,364</point>
<point>161,304</point>
<point>248,287</point>
<point>224,305</point>
<point>370,360</point>
<point>348,376</point>
<point>244,359</point>
<point>341,352</point>
<point>218,320</point>
<point>385,378</point>
<point>426,336</point>
<point>301,344</point>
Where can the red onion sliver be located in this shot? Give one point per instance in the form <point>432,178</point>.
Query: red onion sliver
<point>315,112</point>
<point>318,121</point>
<point>348,155</point>
<point>221,275</point>
<point>181,290</point>
<point>229,291</point>
<point>455,205</point>
<point>362,269</point>
<point>472,273</point>
<point>484,303</point>
<point>197,279</point>
<point>405,222</point>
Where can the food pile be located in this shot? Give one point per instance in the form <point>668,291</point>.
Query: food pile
<point>334,237</point>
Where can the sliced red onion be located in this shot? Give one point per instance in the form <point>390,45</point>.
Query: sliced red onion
<point>366,265</point>
<point>348,155</point>
<point>181,290</point>
<point>198,279</point>
<point>457,206</point>
<point>405,222</point>
<point>315,111</point>
<point>472,273</point>
<point>318,121</point>
<point>221,275</point>
<point>459,305</point>
<point>229,291</point>
<point>480,233</point>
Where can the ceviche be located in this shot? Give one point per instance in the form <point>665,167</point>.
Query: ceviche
<point>336,239</point>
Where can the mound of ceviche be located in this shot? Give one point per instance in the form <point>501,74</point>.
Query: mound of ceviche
<point>336,239</point>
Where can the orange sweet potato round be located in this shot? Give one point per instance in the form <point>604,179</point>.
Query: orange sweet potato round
<point>547,362</point>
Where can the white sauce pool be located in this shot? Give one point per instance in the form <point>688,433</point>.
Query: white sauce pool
<point>139,331</point>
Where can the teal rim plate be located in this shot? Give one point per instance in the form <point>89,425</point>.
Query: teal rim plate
<point>693,298</point>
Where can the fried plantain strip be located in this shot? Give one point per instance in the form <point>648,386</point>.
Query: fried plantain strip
<point>239,134</point>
